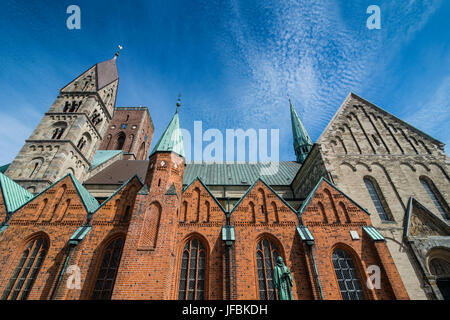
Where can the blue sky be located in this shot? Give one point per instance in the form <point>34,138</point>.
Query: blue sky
<point>234,62</point>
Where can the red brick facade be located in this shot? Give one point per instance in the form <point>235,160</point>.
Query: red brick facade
<point>130,130</point>
<point>158,219</point>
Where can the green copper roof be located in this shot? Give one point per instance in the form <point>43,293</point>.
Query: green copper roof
<point>4,168</point>
<point>373,233</point>
<point>14,195</point>
<point>172,191</point>
<point>102,156</point>
<point>302,141</point>
<point>171,139</point>
<point>89,201</point>
<point>79,234</point>
<point>241,174</point>
<point>228,233</point>
<point>304,233</point>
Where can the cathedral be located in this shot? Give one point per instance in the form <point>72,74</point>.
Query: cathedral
<point>89,211</point>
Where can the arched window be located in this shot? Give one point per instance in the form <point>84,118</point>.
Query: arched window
<point>266,256</point>
<point>34,167</point>
<point>377,198</point>
<point>433,196</point>
<point>192,274</point>
<point>21,282</point>
<point>440,268</point>
<point>108,270</point>
<point>347,277</point>
<point>120,141</point>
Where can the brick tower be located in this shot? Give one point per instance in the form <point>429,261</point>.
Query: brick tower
<point>130,130</point>
<point>70,133</point>
<point>147,265</point>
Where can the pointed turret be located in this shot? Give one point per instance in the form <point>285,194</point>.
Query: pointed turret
<point>172,139</point>
<point>302,141</point>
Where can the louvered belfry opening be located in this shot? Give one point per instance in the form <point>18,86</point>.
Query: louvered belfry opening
<point>192,273</point>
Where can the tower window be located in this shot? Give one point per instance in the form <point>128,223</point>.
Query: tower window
<point>347,277</point>
<point>266,255</point>
<point>120,141</point>
<point>21,282</point>
<point>192,273</point>
<point>123,125</point>
<point>377,198</point>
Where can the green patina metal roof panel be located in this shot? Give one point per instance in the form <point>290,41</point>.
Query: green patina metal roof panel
<point>172,191</point>
<point>89,201</point>
<point>304,233</point>
<point>14,195</point>
<point>80,234</point>
<point>101,156</point>
<point>4,168</point>
<point>4,227</point>
<point>228,233</point>
<point>171,139</point>
<point>373,233</point>
<point>300,135</point>
<point>274,173</point>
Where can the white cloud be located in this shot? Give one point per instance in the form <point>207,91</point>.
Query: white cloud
<point>434,116</point>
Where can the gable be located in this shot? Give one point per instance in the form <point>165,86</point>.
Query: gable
<point>85,82</point>
<point>263,205</point>
<point>199,205</point>
<point>329,205</point>
<point>421,222</point>
<point>115,207</point>
<point>60,201</point>
<point>359,126</point>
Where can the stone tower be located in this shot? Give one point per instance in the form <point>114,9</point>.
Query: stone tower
<point>302,141</point>
<point>148,258</point>
<point>130,130</point>
<point>70,133</point>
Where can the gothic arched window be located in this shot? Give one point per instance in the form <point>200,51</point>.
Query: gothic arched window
<point>22,280</point>
<point>120,141</point>
<point>434,195</point>
<point>377,198</point>
<point>266,256</point>
<point>108,270</point>
<point>347,277</point>
<point>192,273</point>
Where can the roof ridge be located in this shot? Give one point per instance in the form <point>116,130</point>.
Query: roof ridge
<point>90,203</point>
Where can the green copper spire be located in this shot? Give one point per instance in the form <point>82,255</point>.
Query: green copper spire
<point>302,141</point>
<point>172,139</point>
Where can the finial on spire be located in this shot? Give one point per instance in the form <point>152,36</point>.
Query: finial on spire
<point>117,52</point>
<point>178,101</point>
<point>289,98</point>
